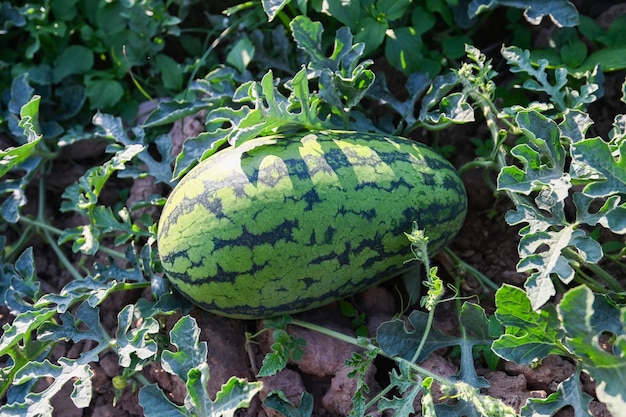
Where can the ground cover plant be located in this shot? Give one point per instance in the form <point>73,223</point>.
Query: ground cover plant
<point>524,314</point>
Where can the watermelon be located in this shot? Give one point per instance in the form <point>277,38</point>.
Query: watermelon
<point>288,223</point>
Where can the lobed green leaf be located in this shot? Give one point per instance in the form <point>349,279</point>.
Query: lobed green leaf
<point>278,401</point>
<point>562,12</point>
<point>586,317</point>
<point>395,339</point>
<point>529,334</point>
<point>568,393</point>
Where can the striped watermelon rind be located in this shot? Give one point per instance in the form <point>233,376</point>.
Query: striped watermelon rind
<point>284,224</point>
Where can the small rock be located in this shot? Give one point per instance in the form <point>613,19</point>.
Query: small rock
<point>227,349</point>
<point>553,370</point>
<point>323,355</point>
<point>374,321</point>
<point>338,398</point>
<point>512,390</point>
<point>376,300</point>
<point>287,381</point>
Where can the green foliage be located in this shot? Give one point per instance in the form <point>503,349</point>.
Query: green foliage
<point>285,347</point>
<point>189,364</point>
<point>574,329</point>
<point>279,402</point>
<point>582,48</point>
<point>394,338</point>
<point>78,54</point>
<point>562,12</point>
<point>77,70</point>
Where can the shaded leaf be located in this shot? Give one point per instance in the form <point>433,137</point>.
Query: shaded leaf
<point>279,402</point>
<point>568,393</point>
<point>156,404</point>
<point>562,12</point>
<point>407,386</point>
<point>113,129</point>
<point>395,339</point>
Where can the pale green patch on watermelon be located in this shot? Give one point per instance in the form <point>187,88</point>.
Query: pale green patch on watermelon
<point>284,224</point>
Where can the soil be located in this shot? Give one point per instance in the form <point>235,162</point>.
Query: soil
<point>486,242</point>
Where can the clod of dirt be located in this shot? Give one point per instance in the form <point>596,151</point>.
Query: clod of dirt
<point>441,366</point>
<point>173,386</point>
<point>374,321</point>
<point>338,398</point>
<point>552,370</point>
<point>287,381</point>
<point>189,127</point>
<point>62,401</point>
<point>140,190</point>
<point>227,349</point>
<point>375,301</point>
<point>109,365</point>
<point>323,355</point>
<point>512,390</point>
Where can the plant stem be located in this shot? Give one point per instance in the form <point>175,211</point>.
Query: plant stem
<point>46,233</point>
<point>477,163</point>
<point>431,309</point>
<point>597,270</point>
<point>482,278</point>
<point>356,342</point>
<point>45,227</point>
<point>62,258</point>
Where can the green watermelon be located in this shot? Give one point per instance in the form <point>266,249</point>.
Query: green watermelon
<point>285,224</point>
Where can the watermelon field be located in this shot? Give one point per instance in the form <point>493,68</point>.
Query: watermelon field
<point>313,208</point>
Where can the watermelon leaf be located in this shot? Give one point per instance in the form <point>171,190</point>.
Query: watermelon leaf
<point>439,107</point>
<point>471,403</point>
<point>529,335</point>
<point>561,96</point>
<point>542,156</point>
<point>73,327</point>
<point>279,402</point>
<point>112,129</point>
<point>188,356</point>
<point>82,197</point>
<point>550,242</point>
<point>562,12</point>
<point>416,84</point>
<point>273,7</point>
<point>608,166</point>
<point>76,371</point>
<point>284,347</point>
<point>408,386</point>
<point>395,340</point>
<point>568,393</point>
<point>135,346</point>
<point>573,329</point>
<point>156,404</point>
<point>189,364</point>
<point>586,317</point>
<point>26,157</point>
<point>19,283</point>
